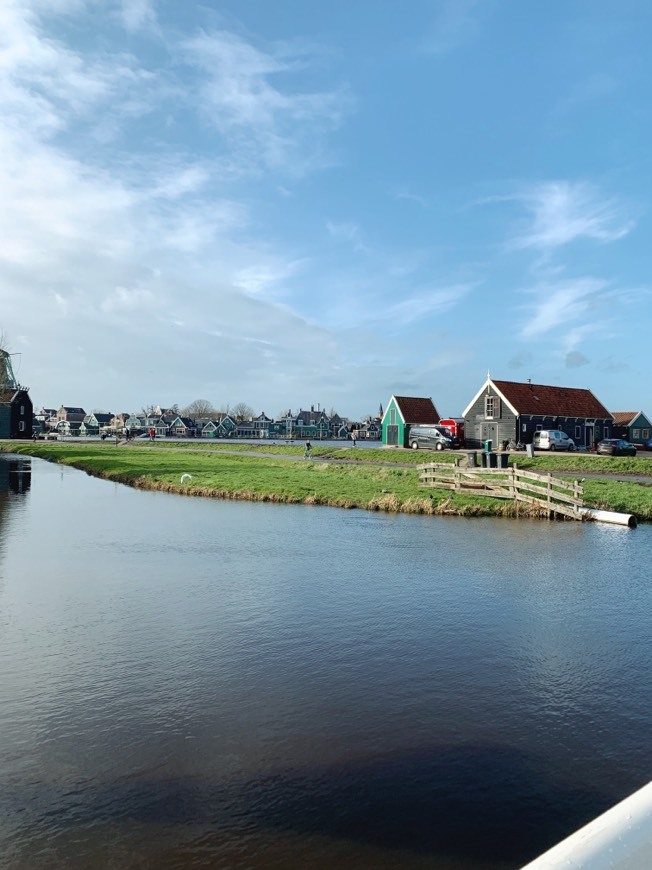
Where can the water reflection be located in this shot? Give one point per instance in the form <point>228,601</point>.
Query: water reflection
<point>15,483</point>
<point>15,475</point>
<point>191,682</point>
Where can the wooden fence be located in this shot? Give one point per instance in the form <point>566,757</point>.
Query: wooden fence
<point>541,490</point>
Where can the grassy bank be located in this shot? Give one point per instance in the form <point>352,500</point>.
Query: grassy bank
<point>339,477</point>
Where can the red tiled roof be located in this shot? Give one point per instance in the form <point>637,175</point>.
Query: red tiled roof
<point>551,401</point>
<point>415,410</point>
<point>623,418</point>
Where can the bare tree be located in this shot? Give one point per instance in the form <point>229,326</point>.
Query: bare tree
<point>242,411</point>
<point>199,408</point>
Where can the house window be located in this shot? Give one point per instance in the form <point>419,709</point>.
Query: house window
<point>524,427</point>
<point>606,431</point>
<point>538,427</point>
<point>21,426</point>
<point>578,431</point>
<point>489,407</point>
<point>646,434</point>
<point>22,410</point>
<point>392,417</point>
<point>636,434</point>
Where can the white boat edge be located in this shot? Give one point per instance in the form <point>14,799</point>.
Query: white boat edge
<point>619,839</point>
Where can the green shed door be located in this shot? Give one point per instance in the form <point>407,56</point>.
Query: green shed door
<point>392,435</point>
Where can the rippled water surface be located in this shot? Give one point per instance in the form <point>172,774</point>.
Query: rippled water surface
<point>197,683</point>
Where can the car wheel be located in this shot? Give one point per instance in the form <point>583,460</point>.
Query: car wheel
<point>414,445</point>
<point>571,447</point>
<point>552,448</point>
<point>439,446</point>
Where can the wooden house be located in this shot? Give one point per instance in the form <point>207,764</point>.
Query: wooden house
<point>70,414</point>
<point>16,416</point>
<point>182,427</point>
<point>633,426</point>
<point>502,411</point>
<point>401,413</point>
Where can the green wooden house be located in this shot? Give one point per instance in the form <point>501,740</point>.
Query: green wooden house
<point>401,413</point>
<point>633,426</point>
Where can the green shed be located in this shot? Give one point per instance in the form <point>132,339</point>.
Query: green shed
<point>401,414</point>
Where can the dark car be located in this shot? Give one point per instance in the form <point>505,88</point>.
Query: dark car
<point>647,444</point>
<point>616,447</point>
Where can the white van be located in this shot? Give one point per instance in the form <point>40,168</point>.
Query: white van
<point>552,439</point>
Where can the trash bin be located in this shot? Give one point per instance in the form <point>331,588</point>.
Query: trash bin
<point>529,450</point>
<point>503,460</point>
<point>489,460</point>
<point>488,446</point>
<point>471,459</point>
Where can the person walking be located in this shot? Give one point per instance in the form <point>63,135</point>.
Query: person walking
<point>307,453</point>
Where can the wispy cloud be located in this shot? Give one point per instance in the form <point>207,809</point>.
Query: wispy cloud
<point>404,193</point>
<point>563,212</point>
<point>137,14</point>
<point>270,126</point>
<point>348,230</point>
<point>561,303</point>
<point>426,304</point>
<point>454,23</point>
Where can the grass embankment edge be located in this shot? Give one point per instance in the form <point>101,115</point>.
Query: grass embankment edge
<point>254,475</point>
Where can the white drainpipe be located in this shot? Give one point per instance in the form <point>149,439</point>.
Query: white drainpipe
<point>620,839</point>
<point>609,517</point>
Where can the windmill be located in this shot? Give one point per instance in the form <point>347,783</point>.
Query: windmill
<point>7,378</point>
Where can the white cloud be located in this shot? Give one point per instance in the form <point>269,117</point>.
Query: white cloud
<point>125,299</point>
<point>137,14</point>
<point>271,127</point>
<point>426,304</point>
<point>563,212</point>
<point>561,303</point>
<point>455,22</point>
<point>349,231</point>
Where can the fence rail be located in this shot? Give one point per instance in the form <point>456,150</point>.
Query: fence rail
<point>541,490</point>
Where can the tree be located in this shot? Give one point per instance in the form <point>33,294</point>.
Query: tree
<point>242,411</point>
<point>199,408</point>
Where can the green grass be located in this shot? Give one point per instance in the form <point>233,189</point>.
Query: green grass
<point>353,478</point>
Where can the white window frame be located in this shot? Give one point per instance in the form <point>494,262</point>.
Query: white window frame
<point>578,431</point>
<point>489,407</point>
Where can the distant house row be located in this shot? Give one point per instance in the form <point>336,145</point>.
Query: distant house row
<point>70,421</point>
<point>506,411</point>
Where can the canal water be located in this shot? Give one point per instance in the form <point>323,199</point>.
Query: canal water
<point>197,683</point>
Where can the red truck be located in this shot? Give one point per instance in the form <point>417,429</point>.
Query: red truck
<point>455,426</point>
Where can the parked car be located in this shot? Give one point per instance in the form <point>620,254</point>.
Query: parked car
<point>647,444</point>
<point>616,447</point>
<point>433,437</point>
<point>552,439</point>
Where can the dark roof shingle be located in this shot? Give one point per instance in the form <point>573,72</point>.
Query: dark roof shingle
<point>417,410</point>
<point>549,401</point>
<point>623,418</point>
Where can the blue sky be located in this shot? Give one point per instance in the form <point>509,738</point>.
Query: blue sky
<point>291,203</point>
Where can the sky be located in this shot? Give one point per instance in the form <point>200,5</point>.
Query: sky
<point>295,204</point>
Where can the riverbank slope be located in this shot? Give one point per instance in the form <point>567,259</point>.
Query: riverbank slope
<point>335,476</point>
